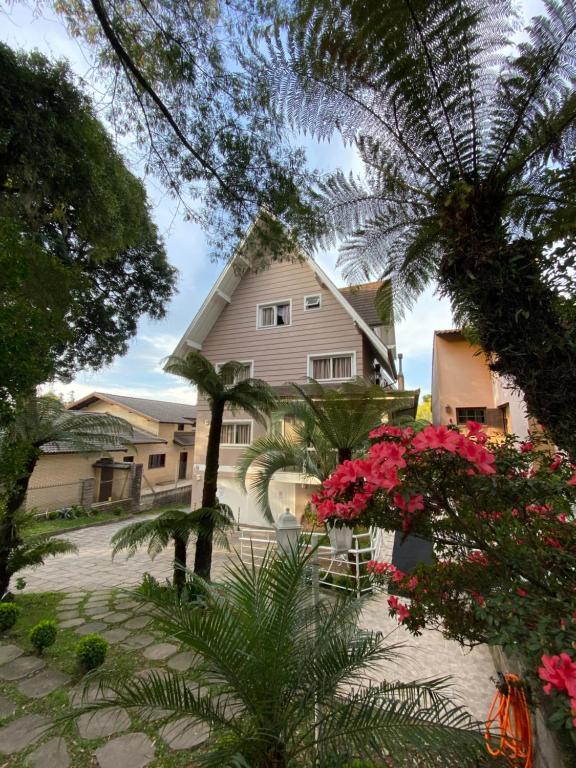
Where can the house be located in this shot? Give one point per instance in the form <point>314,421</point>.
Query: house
<point>162,442</point>
<point>164,437</point>
<point>464,388</point>
<point>286,323</point>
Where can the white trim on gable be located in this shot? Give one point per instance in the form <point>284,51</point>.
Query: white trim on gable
<point>221,297</point>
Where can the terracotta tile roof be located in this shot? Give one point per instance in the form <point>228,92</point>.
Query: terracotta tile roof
<point>362,298</point>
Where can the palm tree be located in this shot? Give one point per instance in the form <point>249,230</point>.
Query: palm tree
<point>38,421</point>
<point>467,143</point>
<point>281,682</point>
<point>223,387</point>
<point>329,427</point>
<point>174,525</point>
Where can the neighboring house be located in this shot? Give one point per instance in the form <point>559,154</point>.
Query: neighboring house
<point>162,442</point>
<point>464,388</point>
<point>286,323</point>
<point>164,435</point>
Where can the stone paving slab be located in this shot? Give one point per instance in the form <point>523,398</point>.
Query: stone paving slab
<point>91,627</point>
<point>43,683</point>
<point>7,707</point>
<point>103,722</point>
<point>115,635</point>
<point>21,732</point>
<point>116,618</point>
<point>160,651</point>
<point>182,662</point>
<point>70,623</point>
<point>65,615</point>
<point>139,641</point>
<point>138,622</point>
<point>184,733</point>
<point>135,750</point>
<point>81,696</point>
<point>51,754</point>
<point>21,667</point>
<point>127,605</point>
<point>9,653</point>
<point>97,612</point>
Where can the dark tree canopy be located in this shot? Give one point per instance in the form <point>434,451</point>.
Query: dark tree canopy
<point>468,145</point>
<point>177,76</point>
<point>80,258</point>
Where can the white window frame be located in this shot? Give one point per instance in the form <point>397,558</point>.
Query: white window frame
<point>273,303</point>
<point>250,422</point>
<point>323,355</point>
<point>218,366</point>
<point>313,296</point>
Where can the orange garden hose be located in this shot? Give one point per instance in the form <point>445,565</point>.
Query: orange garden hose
<point>509,716</point>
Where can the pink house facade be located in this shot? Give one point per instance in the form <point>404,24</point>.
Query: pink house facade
<point>286,323</point>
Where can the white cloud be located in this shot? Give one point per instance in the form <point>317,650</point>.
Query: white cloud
<point>163,342</point>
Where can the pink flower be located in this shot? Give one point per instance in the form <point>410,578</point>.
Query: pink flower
<point>413,504</point>
<point>402,612</point>
<point>385,430</point>
<point>557,462</point>
<point>572,480</point>
<point>526,447</point>
<point>435,438</point>
<point>521,592</point>
<point>393,602</point>
<point>559,672</point>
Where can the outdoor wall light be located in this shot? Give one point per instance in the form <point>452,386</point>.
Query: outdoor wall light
<point>288,531</point>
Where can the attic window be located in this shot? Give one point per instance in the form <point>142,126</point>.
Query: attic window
<point>312,302</point>
<point>274,314</point>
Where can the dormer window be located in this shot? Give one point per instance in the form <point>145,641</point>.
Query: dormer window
<point>274,314</point>
<point>312,302</point>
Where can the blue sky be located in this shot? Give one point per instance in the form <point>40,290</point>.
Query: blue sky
<point>139,372</point>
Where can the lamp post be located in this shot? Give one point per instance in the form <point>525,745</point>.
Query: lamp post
<point>288,532</point>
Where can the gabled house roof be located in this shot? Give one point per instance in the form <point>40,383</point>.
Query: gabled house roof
<point>158,410</point>
<point>231,276</point>
<point>363,299</point>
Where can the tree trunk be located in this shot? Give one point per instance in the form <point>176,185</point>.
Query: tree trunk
<point>203,555</point>
<point>527,329</point>
<point>179,560</point>
<point>344,454</point>
<point>9,534</point>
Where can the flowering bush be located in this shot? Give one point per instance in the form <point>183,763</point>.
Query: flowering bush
<point>500,516</point>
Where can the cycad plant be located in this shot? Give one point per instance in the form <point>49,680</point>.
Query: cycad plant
<point>466,135</point>
<point>38,421</point>
<point>328,426</point>
<point>282,683</point>
<point>174,526</point>
<point>223,388</point>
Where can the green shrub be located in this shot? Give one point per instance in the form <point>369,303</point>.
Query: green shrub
<point>91,651</point>
<point>43,635</point>
<point>8,615</point>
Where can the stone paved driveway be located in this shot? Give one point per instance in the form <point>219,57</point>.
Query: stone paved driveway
<point>93,568</point>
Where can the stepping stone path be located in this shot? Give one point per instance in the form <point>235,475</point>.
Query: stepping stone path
<point>22,732</point>
<point>160,651</point>
<point>80,698</point>
<point>21,667</point>
<point>7,707</point>
<point>43,683</point>
<point>135,750</point>
<point>9,653</point>
<point>51,754</point>
<point>184,733</point>
<point>104,722</point>
<point>65,615</point>
<point>93,626</point>
<point>115,635</point>
<point>127,605</point>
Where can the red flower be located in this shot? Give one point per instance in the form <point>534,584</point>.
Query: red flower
<point>526,446</point>
<point>559,672</point>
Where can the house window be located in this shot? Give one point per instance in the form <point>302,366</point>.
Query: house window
<point>180,427</point>
<point>470,414</point>
<point>128,459</point>
<point>312,302</point>
<point>245,372</point>
<point>275,313</point>
<point>236,433</point>
<point>332,367</point>
<point>156,460</point>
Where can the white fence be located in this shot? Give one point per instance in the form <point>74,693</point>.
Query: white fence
<point>346,572</point>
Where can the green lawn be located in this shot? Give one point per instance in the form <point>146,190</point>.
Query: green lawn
<point>62,656</point>
<point>43,526</point>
